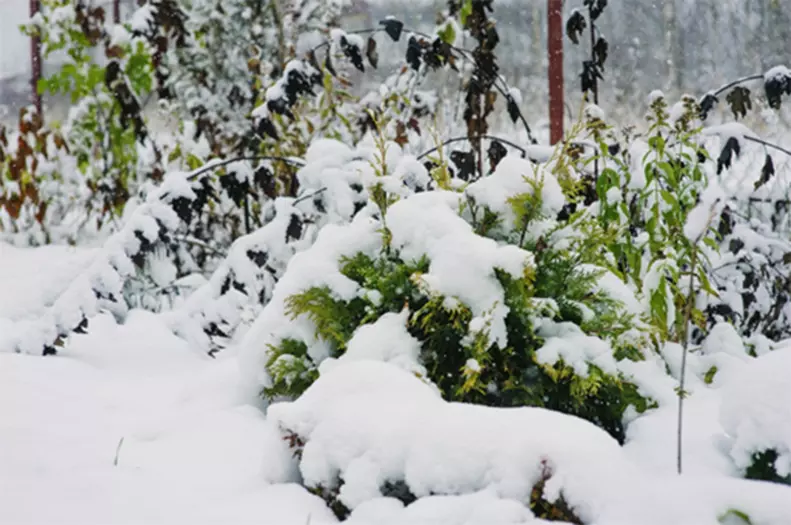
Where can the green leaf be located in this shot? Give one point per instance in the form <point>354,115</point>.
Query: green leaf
<point>42,85</point>
<point>465,12</point>
<point>730,517</point>
<point>705,284</point>
<point>448,34</point>
<point>709,377</point>
<point>669,198</point>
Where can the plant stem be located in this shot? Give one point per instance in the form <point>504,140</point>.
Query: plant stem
<point>685,348</point>
<point>118,452</point>
<point>593,57</point>
<point>735,83</point>
<point>685,342</point>
<point>281,39</point>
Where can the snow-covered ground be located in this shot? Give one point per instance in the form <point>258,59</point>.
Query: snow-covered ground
<point>128,424</point>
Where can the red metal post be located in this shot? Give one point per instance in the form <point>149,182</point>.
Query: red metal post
<point>555,47</point>
<point>35,62</point>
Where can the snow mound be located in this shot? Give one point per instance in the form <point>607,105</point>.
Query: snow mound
<point>515,176</point>
<point>756,410</point>
<point>371,423</point>
<point>374,426</point>
<point>27,293</point>
<point>386,340</point>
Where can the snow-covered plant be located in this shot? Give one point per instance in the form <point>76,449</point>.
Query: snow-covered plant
<point>28,154</point>
<point>593,67</point>
<point>515,321</point>
<point>106,75</point>
<point>668,213</point>
<point>233,51</point>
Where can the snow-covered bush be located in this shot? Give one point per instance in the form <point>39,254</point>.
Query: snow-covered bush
<point>381,446</point>
<point>516,321</point>
<point>104,133</point>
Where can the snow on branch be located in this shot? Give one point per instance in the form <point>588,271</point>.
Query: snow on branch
<point>100,286</point>
<point>777,82</point>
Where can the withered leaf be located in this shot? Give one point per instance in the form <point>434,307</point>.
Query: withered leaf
<point>740,102</point>
<point>393,28</point>
<point>294,229</point>
<point>328,65</point>
<point>575,26</point>
<point>706,104</point>
<point>767,172</point>
<point>731,150</point>
<point>372,53</point>
<point>600,52</point>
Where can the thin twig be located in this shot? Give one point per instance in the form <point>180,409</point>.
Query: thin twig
<point>735,83</point>
<point>309,196</point>
<point>685,340</point>
<point>220,163</point>
<point>118,452</point>
<point>465,138</point>
<point>201,244</point>
<point>767,144</point>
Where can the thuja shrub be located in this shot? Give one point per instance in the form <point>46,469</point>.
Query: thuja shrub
<point>551,308</point>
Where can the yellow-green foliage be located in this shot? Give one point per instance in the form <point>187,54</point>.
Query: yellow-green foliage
<point>507,376</point>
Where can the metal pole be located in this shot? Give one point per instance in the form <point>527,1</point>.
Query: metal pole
<point>35,62</point>
<point>116,11</point>
<point>555,48</point>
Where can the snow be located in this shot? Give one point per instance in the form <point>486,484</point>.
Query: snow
<point>728,130</point>
<point>192,452</point>
<point>134,422</point>
<point>655,96</point>
<point>576,349</point>
<point>128,424</point>
<point>26,292</point>
<point>462,263</point>
<point>385,340</point>
<point>777,73</point>
<point>706,212</point>
<point>412,442</point>
<point>594,112</point>
<point>756,410</point>
<point>515,176</point>
<point>368,423</point>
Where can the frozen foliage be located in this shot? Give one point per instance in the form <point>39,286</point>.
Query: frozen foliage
<point>515,176</point>
<point>462,264</point>
<point>100,287</point>
<point>700,219</point>
<point>424,225</point>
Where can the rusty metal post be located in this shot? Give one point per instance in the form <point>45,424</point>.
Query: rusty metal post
<point>555,47</point>
<point>116,11</point>
<point>35,62</point>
